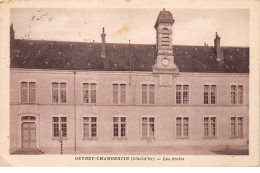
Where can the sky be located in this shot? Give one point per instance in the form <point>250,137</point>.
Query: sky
<point>191,26</point>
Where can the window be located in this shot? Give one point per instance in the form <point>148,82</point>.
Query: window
<point>237,127</point>
<point>165,37</point>
<point>240,94</point>
<point>28,92</point>
<point>89,92</point>
<point>148,127</point>
<point>28,118</point>
<point>236,94</point>
<point>59,126</point>
<point>90,127</point>
<point>63,92</point>
<point>182,127</point>
<point>210,94</point>
<point>119,93</point>
<point>59,92</point>
<point>119,127</point>
<point>210,128</point>
<point>182,94</point>
<point>178,94</point>
<point>148,93</point>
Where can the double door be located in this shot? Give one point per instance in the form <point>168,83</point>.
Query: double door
<point>28,135</point>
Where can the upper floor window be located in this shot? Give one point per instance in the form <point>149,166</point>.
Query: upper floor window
<point>59,127</point>
<point>89,92</point>
<point>28,92</point>
<point>236,94</point>
<point>148,127</point>
<point>182,94</point>
<point>59,92</point>
<point>90,127</point>
<point>182,127</point>
<point>210,94</point>
<point>119,93</point>
<point>119,127</point>
<point>237,127</point>
<point>210,127</point>
<point>148,93</point>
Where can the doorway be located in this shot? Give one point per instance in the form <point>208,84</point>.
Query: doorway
<point>28,135</point>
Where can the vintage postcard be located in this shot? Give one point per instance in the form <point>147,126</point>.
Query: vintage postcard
<point>124,83</point>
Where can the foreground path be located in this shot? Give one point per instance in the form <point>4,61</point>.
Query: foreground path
<point>156,151</point>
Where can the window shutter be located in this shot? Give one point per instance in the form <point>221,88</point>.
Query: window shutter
<point>24,92</point>
<point>32,93</point>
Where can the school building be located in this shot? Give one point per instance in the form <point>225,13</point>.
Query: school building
<point>127,95</point>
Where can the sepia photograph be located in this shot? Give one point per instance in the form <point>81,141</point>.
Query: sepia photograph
<point>124,83</point>
<point>156,81</point>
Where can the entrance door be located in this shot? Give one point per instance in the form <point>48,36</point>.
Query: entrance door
<point>28,135</point>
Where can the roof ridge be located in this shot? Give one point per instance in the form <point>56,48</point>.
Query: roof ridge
<point>108,43</point>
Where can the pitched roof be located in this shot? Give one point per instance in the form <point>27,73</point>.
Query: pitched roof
<point>39,54</point>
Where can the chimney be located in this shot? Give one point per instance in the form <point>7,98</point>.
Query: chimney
<point>103,37</point>
<point>12,32</point>
<point>11,39</point>
<point>217,49</point>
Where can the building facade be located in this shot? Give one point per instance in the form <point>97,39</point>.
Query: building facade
<point>127,95</point>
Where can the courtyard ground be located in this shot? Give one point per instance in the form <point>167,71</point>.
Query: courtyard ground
<point>165,150</point>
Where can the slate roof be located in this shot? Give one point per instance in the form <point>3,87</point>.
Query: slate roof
<point>40,54</point>
<point>164,17</point>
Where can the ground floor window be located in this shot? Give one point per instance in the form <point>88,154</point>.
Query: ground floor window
<point>210,129</point>
<point>119,127</point>
<point>182,127</point>
<point>148,127</point>
<point>237,127</point>
<point>59,126</point>
<point>90,127</point>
